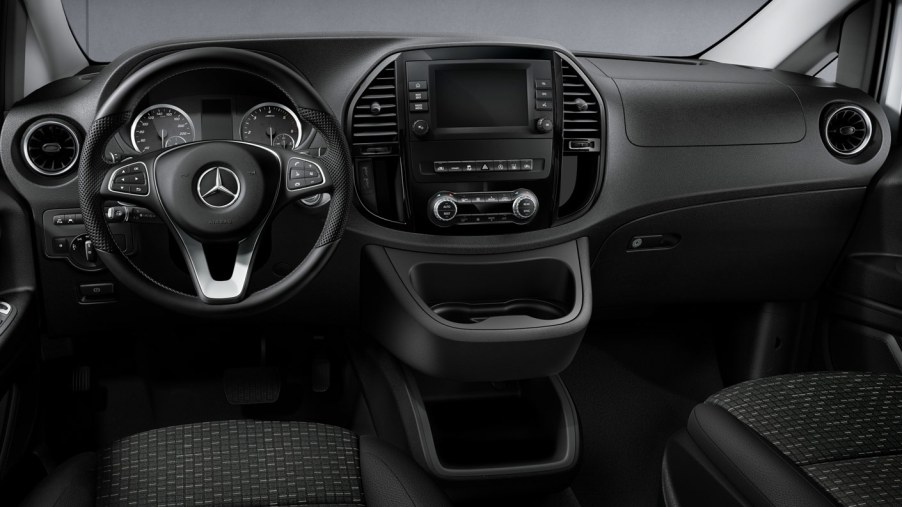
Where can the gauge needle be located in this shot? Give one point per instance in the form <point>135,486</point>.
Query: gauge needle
<point>271,132</point>
<point>163,138</point>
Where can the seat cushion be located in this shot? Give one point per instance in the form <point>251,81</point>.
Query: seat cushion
<point>827,438</point>
<point>245,463</point>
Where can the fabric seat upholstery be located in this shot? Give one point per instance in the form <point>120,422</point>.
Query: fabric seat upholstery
<point>829,438</point>
<point>242,463</point>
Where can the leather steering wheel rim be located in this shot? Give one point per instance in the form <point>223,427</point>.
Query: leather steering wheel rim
<point>116,111</point>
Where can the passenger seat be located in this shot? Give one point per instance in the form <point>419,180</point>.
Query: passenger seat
<point>814,439</point>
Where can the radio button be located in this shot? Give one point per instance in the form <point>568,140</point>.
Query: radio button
<point>419,107</point>
<point>417,85</point>
<point>543,94</point>
<point>543,105</point>
<point>419,96</point>
<point>543,84</point>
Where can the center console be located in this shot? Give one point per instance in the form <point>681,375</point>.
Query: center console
<point>476,140</point>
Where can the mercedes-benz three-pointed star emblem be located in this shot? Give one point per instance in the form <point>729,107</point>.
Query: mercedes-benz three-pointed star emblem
<point>218,187</point>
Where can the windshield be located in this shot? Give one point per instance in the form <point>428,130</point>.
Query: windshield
<point>106,28</point>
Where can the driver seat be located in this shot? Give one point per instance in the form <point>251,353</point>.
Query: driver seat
<point>241,462</point>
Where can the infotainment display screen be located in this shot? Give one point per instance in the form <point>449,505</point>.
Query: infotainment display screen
<point>477,97</point>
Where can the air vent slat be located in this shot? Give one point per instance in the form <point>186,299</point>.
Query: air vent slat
<point>375,118</point>
<point>582,114</point>
<point>847,130</point>
<point>50,147</point>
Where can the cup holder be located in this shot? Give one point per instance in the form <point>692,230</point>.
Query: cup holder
<point>465,313</point>
<point>543,289</point>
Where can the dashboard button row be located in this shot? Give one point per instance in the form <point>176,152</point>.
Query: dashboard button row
<point>483,165</point>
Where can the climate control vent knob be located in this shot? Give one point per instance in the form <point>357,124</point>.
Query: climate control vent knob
<point>444,208</point>
<point>525,205</point>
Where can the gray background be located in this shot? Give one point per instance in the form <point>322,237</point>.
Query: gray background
<point>106,28</point>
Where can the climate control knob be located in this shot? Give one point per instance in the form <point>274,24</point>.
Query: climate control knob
<point>444,209</point>
<point>525,205</point>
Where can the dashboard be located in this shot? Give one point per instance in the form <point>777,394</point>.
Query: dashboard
<point>685,180</point>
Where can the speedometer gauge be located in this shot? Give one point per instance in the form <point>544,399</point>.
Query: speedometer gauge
<point>161,126</point>
<point>271,124</point>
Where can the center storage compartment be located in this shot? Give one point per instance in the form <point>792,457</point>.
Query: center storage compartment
<point>497,426</point>
<point>470,293</point>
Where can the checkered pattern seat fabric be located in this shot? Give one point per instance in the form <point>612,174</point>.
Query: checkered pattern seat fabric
<point>843,430</point>
<point>241,463</point>
<point>233,463</point>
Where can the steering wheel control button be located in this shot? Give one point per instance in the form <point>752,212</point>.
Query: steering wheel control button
<point>304,174</point>
<point>130,179</point>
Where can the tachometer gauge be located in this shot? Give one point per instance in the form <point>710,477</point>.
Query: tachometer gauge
<point>271,124</point>
<point>161,126</point>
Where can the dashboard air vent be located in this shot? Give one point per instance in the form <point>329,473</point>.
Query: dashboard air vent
<point>374,122</point>
<point>847,130</point>
<point>50,147</point>
<point>582,113</point>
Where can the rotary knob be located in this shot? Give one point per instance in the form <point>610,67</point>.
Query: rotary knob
<point>525,205</point>
<point>544,125</point>
<point>444,209</point>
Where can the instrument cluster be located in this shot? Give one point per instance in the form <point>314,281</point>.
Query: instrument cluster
<point>218,106</point>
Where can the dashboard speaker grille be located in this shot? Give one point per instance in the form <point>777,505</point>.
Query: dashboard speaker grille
<point>375,114</point>
<point>847,130</point>
<point>582,112</point>
<point>50,147</point>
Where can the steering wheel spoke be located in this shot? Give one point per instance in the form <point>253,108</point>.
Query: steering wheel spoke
<point>222,285</point>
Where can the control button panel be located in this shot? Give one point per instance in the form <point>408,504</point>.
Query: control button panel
<point>473,208</point>
<point>130,180</point>
<point>65,235</point>
<point>304,174</point>
<point>474,166</point>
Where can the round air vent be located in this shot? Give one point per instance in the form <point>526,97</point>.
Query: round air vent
<point>847,130</point>
<point>50,147</point>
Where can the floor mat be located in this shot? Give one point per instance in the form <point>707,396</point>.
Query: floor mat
<point>634,384</point>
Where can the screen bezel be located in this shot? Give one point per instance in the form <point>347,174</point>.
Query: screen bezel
<point>514,132</point>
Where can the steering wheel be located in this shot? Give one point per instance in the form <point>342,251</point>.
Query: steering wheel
<point>214,195</point>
